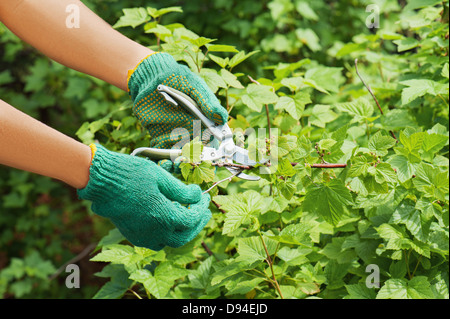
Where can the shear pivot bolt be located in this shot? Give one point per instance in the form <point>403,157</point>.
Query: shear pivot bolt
<point>229,149</point>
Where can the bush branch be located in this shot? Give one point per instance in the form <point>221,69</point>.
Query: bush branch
<point>373,95</point>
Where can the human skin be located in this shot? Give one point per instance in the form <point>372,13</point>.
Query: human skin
<point>94,48</point>
<point>30,145</point>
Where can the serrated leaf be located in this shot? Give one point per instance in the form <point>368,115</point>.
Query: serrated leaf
<point>293,256</point>
<point>212,79</point>
<point>405,170</point>
<point>132,17</point>
<point>419,87</point>
<point>257,95</point>
<point>329,200</point>
<point>383,172</point>
<point>360,291</point>
<point>156,13</point>
<point>295,234</point>
<point>251,249</point>
<point>239,208</point>
<point>330,78</point>
<point>379,143</point>
<point>406,44</point>
<point>416,222</point>
<point>222,62</point>
<point>432,181</point>
<point>321,115</point>
<point>360,109</point>
<point>116,253</point>
<point>294,105</point>
<point>416,288</point>
<point>240,57</point>
<point>230,79</point>
<point>203,173</point>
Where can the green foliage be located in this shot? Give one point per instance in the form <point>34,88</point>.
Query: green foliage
<point>303,231</point>
<point>300,231</point>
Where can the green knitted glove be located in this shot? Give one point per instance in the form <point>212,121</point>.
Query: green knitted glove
<point>144,201</point>
<point>154,112</point>
<point>172,167</point>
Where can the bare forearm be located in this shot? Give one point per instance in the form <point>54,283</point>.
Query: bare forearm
<point>30,145</point>
<point>94,47</point>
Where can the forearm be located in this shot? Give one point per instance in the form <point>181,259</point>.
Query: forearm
<point>94,47</point>
<point>30,145</point>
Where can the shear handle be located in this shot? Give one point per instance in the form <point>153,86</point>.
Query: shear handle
<point>157,153</point>
<point>176,97</point>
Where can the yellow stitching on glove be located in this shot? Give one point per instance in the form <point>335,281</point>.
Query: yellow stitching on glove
<point>93,150</point>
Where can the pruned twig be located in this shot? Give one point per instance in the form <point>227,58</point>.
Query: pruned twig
<point>316,165</point>
<point>222,180</point>
<point>75,259</point>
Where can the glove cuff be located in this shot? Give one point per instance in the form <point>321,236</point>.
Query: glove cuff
<point>107,174</point>
<point>151,68</point>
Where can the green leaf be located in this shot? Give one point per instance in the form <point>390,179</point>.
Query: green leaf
<point>159,30</point>
<point>397,119</point>
<point>204,172</point>
<point>231,268</point>
<point>295,234</point>
<point>231,79</point>
<point>416,222</point>
<point>360,165</point>
<point>116,253</point>
<point>220,61</point>
<point>321,115</point>
<point>406,44</point>
<point>132,17</point>
<point>416,288</point>
<point>433,143</point>
<point>379,143</point>
<point>240,57</point>
<point>412,145</point>
<point>310,38</point>
<point>360,109</point>
<point>294,256</point>
<point>360,291</point>
<point>257,95</point>
<point>416,4</point>
<point>330,78</point>
<point>444,71</point>
<point>213,79</point>
<point>432,181</point>
<point>77,87</point>
<point>285,168</point>
<point>285,144</point>
<point>156,13</point>
<point>159,283</point>
<point>294,105</point>
<point>192,150</point>
<point>305,10</point>
<point>405,170</point>
<point>251,249</point>
<point>420,87</point>
<point>221,48</point>
<point>117,286</point>
<point>383,172</point>
<point>239,208</point>
<point>329,200</point>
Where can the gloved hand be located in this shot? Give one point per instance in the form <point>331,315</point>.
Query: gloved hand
<point>144,201</point>
<point>155,113</point>
<point>172,167</point>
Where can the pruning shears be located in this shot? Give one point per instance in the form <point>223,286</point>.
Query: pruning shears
<point>226,152</point>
